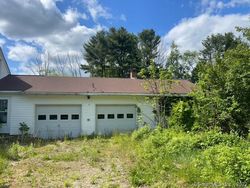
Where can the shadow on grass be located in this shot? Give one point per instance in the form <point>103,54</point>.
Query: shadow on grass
<point>7,140</point>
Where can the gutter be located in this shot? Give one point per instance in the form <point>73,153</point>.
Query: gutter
<point>93,94</point>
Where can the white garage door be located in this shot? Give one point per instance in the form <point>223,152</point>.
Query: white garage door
<point>58,121</point>
<point>115,118</point>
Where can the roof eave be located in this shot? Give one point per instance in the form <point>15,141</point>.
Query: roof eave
<point>92,94</point>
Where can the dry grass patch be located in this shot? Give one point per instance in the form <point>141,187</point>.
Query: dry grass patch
<point>83,162</point>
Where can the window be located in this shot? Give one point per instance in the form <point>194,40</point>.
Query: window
<point>75,116</point>
<point>100,116</point>
<point>41,117</point>
<point>111,116</point>
<point>130,116</point>
<point>120,116</point>
<point>53,117</point>
<point>3,111</point>
<point>64,117</point>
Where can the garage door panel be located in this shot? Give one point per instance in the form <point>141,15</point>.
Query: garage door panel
<point>115,123</point>
<point>57,126</point>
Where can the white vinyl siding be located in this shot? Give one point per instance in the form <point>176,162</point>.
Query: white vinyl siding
<point>22,109</point>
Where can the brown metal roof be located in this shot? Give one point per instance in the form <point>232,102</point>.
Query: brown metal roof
<point>83,85</point>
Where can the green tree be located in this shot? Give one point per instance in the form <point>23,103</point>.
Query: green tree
<point>223,97</point>
<point>96,55</point>
<point>245,32</point>
<point>189,61</point>
<point>112,54</point>
<point>214,48</point>
<point>174,61</point>
<point>181,64</point>
<point>148,45</point>
<point>123,52</point>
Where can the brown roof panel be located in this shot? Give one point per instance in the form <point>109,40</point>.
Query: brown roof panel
<point>52,85</point>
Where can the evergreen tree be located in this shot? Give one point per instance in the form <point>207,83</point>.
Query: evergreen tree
<point>96,55</point>
<point>112,54</point>
<point>123,52</point>
<point>148,44</point>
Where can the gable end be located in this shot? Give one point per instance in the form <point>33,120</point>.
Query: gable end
<point>4,68</point>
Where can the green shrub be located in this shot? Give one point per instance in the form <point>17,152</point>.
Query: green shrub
<point>174,156</point>
<point>224,163</point>
<point>215,137</point>
<point>16,152</point>
<point>3,164</point>
<point>13,152</point>
<point>182,116</point>
<point>141,133</point>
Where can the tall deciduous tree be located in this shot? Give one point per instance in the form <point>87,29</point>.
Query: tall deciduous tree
<point>224,90</point>
<point>181,64</point>
<point>56,65</point>
<point>214,48</point>
<point>174,61</point>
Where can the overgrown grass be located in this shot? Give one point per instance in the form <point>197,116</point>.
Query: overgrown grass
<point>172,158</point>
<point>66,163</point>
<point>154,158</point>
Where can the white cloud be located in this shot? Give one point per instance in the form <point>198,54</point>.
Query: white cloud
<point>211,6</point>
<point>2,42</point>
<point>96,10</point>
<point>66,41</point>
<point>22,52</point>
<point>41,23</point>
<point>234,3</point>
<point>72,16</point>
<point>26,19</point>
<point>123,17</point>
<point>189,33</point>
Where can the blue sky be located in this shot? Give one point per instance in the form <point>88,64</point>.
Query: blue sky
<point>29,29</point>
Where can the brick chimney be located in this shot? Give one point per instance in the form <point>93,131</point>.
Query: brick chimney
<point>133,74</point>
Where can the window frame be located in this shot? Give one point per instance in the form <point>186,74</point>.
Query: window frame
<point>108,116</point>
<point>118,116</point>
<point>103,115</point>
<point>6,111</point>
<point>41,115</point>
<point>78,115</point>
<point>64,115</point>
<point>128,114</point>
<point>53,115</point>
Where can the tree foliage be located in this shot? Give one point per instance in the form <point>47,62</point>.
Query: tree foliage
<point>181,64</point>
<point>222,96</point>
<point>97,55</point>
<point>148,45</point>
<point>123,52</point>
<point>214,48</point>
<point>116,52</point>
<point>112,54</point>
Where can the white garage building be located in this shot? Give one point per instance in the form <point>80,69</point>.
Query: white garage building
<point>54,107</point>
